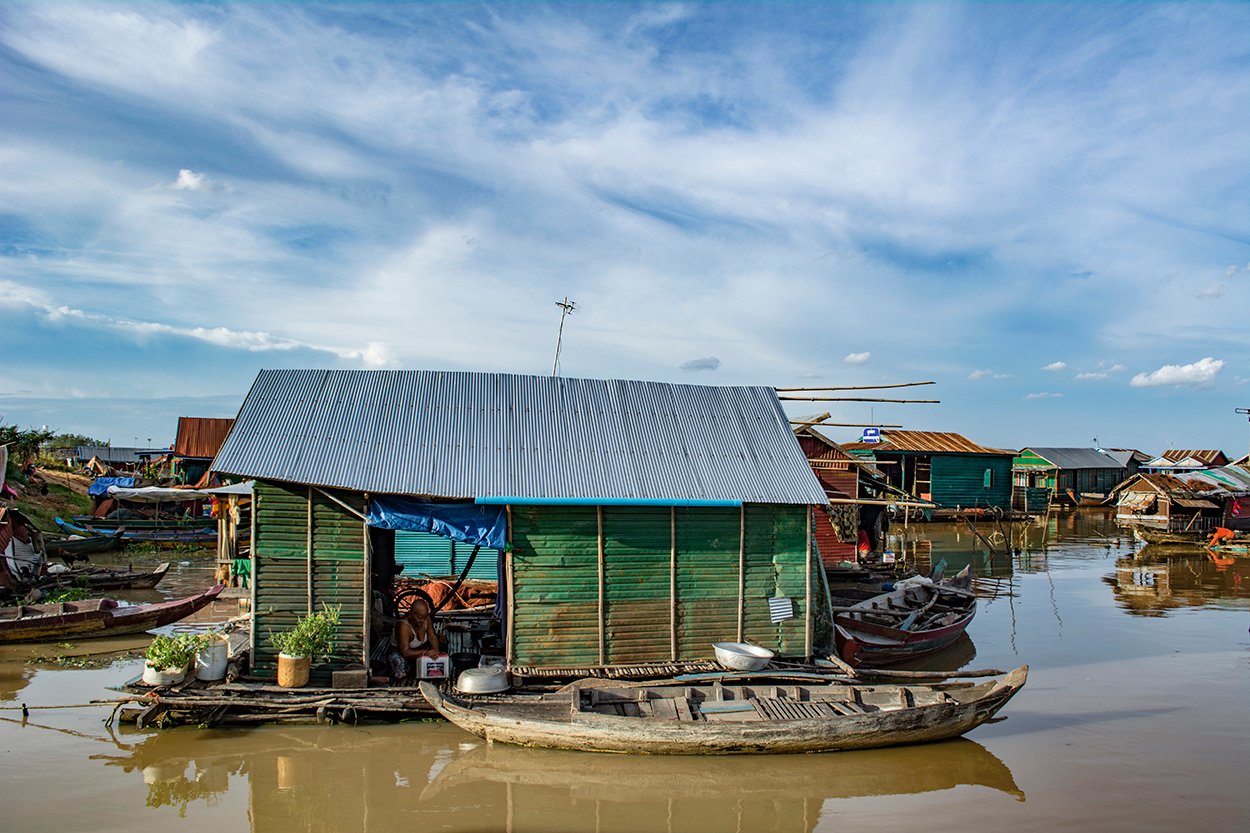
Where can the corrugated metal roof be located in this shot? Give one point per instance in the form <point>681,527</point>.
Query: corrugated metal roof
<point>466,435</point>
<point>1076,458</point>
<point>118,454</point>
<point>1206,456</point>
<point>926,441</point>
<point>201,436</point>
<point>1227,481</point>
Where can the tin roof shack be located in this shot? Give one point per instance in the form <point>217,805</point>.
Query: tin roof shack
<point>638,522</point>
<point>1186,460</point>
<point>943,467</point>
<point>198,441</point>
<point>1077,476</point>
<point>106,460</point>
<point>1187,501</point>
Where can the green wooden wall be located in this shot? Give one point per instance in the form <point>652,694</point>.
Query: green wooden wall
<point>281,569</point>
<point>659,565</point>
<point>959,480</point>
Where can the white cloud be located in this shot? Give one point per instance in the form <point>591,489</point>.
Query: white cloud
<point>1043,395</point>
<point>982,373</point>
<point>189,180</point>
<point>1215,290</point>
<point>1096,374</point>
<point>1055,366</point>
<point>858,358</point>
<point>705,363</point>
<point>1201,372</point>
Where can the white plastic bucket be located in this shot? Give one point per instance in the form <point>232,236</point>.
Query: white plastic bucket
<point>211,660</point>
<point>163,676</point>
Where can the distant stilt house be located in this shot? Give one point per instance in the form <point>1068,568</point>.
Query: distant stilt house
<point>1183,460</point>
<point>942,467</point>
<point>1186,501</point>
<point>1075,476</point>
<point>630,522</point>
<point>848,481</point>
<point>106,460</point>
<point>198,441</point>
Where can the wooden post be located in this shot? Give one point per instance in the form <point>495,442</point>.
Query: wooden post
<point>807,610</point>
<point>603,631</point>
<point>368,583</point>
<point>742,570</point>
<point>309,542</point>
<point>509,580</point>
<point>672,580</point>
<point>252,579</point>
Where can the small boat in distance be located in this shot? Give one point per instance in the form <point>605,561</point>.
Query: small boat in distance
<point>92,618</point>
<point>917,618</point>
<point>79,548</point>
<point>737,714</point>
<point>163,537</point>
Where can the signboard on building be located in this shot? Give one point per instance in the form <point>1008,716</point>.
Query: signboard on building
<point>871,435</point>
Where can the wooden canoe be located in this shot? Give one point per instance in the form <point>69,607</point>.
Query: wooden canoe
<point>744,714</point>
<point>98,578</point>
<point>72,549</point>
<point>903,624</point>
<point>163,537</point>
<point>94,618</point>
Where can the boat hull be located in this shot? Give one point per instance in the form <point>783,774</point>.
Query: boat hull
<point>77,622</point>
<point>868,650</point>
<point>603,733</point>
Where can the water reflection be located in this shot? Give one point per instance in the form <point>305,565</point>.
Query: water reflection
<point>425,777</point>
<point>1158,581</point>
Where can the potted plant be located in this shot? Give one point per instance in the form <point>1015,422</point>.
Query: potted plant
<point>311,639</point>
<point>169,658</point>
<point>212,655</point>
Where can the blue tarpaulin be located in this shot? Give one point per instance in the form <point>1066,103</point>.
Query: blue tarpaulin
<point>101,484</point>
<point>467,522</point>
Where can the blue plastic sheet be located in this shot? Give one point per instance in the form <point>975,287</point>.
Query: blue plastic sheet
<point>100,485</point>
<point>467,522</point>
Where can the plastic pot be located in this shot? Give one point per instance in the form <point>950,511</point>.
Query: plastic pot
<point>293,671</point>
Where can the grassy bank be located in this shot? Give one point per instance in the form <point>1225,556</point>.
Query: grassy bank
<point>60,501</point>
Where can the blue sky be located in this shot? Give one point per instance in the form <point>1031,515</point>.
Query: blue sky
<point>1041,207</point>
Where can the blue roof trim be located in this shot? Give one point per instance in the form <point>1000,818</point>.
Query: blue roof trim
<point>600,501</point>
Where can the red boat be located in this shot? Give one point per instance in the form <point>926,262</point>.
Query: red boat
<point>92,618</point>
<point>910,621</point>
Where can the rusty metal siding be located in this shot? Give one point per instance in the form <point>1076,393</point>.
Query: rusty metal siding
<point>776,558</point>
<point>707,579</point>
<point>637,590</point>
<point>924,442</point>
<point>282,565</point>
<point>555,575</point>
<point>831,548</point>
<point>201,436</point>
<point>469,435</point>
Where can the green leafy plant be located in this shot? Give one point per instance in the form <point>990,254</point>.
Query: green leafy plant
<point>172,651</point>
<point>312,636</point>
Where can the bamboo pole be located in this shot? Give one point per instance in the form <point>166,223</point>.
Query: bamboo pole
<point>860,387</point>
<point>800,425</point>
<point>857,399</point>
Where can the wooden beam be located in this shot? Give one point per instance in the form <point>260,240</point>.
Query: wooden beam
<point>799,426</point>
<point>510,581</point>
<point>807,604</point>
<point>368,583</point>
<point>310,549</point>
<point>672,580</point>
<point>860,387</point>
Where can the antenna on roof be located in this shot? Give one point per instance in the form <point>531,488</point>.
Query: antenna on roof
<point>567,308</point>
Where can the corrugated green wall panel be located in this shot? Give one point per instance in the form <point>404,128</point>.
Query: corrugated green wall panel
<point>637,589</point>
<point>776,556</point>
<point>556,591</point>
<point>423,553</point>
<point>281,569</point>
<point>959,480</point>
<point>707,579</point>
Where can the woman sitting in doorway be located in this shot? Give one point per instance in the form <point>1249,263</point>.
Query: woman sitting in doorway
<point>415,637</point>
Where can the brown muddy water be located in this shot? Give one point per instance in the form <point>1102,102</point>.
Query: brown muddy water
<point>1134,719</point>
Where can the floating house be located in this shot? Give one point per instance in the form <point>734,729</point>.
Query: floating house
<point>1186,501</point>
<point>632,523</point>
<point>107,459</point>
<point>856,493</point>
<point>198,441</point>
<point>1076,476</point>
<point>1187,460</point>
<point>942,467</point>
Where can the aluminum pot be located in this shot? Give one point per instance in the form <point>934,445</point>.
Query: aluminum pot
<point>483,680</point>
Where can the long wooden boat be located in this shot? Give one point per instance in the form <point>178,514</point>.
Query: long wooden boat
<point>742,714</point>
<point>904,624</point>
<point>72,549</point>
<point>94,618</point>
<point>98,578</point>
<point>142,524</point>
<point>164,537</point>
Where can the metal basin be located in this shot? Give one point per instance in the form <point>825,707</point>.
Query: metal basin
<point>483,680</point>
<point>739,656</point>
